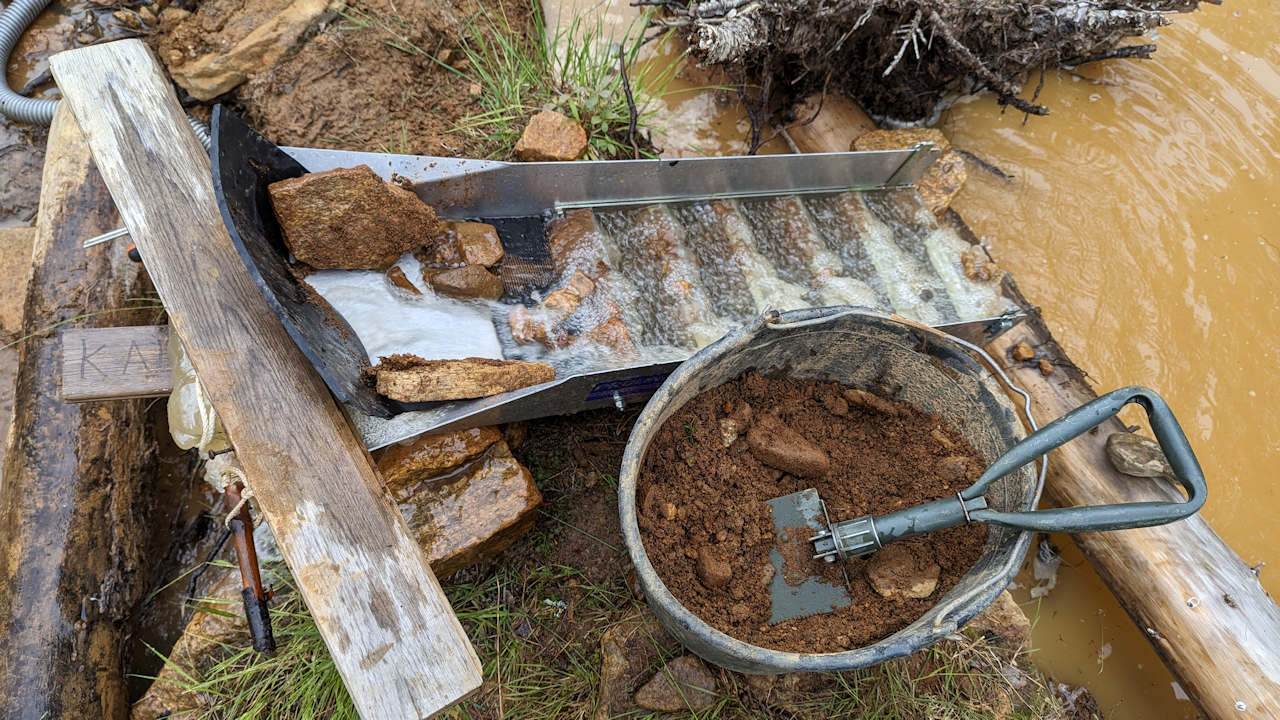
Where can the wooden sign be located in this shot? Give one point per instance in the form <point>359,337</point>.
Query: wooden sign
<point>121,362</point>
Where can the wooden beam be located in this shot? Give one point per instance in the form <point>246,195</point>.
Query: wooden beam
<point>396,642</point>
<point>115,363</point>
<point>77,498</point>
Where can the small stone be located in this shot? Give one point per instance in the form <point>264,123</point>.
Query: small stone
<point>896,572</point>
<point>474,90</point>
<point>476,243</point>
<point>147,15</point>
<point>902,138</point>
<point>551,136</point>
<point>871,401</point>
<point>616,336</point>
<point>713,570</point>
<point>775,444</point>
<point>953,468</point>
<point>129,18</point>
<point>1023,352</point>
<point>739,612</point>
<point>669,510</point>
<point>766,574</point>
<point>682,684</point>
<point>85,38</point>
<point>1046,367</point>
<point>349,219</point>
<point>468,281</point>
<point>444,56</point>
<point>943,181</point>
<point>398,278</point>
<point>941,437</point>
<point>627,650</point>
<point>171,17</point>
<point>835,404</point>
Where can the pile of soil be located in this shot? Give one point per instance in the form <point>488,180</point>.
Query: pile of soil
<point>698,498</point>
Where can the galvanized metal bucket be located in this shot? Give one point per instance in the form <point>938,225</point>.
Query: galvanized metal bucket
<point>863,349</point>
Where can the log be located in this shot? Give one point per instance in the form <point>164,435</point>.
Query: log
<point>77,487</point>
<point>396,643</point>
<point>1225,651</point>
<point>1195,599</point>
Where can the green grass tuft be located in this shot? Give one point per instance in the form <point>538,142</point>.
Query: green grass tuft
<point>520,73</point>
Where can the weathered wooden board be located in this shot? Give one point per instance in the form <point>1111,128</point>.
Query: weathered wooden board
<point>396,642</point>
<point>119,362</point>
<point>77,499</point>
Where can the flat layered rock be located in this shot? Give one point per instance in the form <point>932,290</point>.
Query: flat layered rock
<point>474,513</point>
<point>349,219</point>
<point>466,282</point>
<point>407,378</point>
<point>430,456</point>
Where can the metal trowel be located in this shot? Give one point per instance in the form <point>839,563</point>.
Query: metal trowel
<point>804,532</point>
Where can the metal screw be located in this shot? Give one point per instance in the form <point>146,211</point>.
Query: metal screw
<point>618,402</point>
<point>1241,706</point>
<point>1193,602</point>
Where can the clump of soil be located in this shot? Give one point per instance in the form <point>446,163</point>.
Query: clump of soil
<point>703,513</point>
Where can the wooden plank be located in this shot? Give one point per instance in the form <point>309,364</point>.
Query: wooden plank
<point>1226,649</point>
<point>387,623</point>
<point>113,363</point>
<point>78,495</point>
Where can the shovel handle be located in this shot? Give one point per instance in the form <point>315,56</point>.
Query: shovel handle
<point>1173,442</point>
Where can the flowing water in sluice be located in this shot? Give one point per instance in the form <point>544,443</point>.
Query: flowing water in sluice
<point>680,276</point>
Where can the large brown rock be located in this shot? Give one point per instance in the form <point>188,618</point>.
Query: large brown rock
<point>431,456</point>
<point>551,136</point>
<point>474,513</point>
<point>348,218</point>
<point>466,282</point>
<point>775,444</point>
<point>411,379</point>
<point>221,46</point>
<point>681,685</point>
<point>464,243</point>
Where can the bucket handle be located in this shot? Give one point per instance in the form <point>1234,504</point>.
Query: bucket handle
<point>1120,516</point>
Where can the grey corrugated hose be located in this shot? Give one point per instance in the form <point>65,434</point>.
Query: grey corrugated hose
<point>14,21</point>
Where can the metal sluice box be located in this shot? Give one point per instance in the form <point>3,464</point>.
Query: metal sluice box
<point>518,199</point>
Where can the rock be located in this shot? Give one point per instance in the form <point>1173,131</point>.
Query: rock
<point>952,467</point>
<point>474,90</point>
<point>348,218</point>
<point>147,15</point>
<point>1136,455</point>
<point>407,378</point>
<point>464,243</point>
<point>835,404</point>
<point>471,515</point>
<point>468,281</point>
<point>129,18</point>
<point>896,572</point>
<point>541,323</point>
<point>1023,352</point>
<point>1046,367</point>
<point>244,45</point>
<point>682,684</point>
<point>398,278</point>
<point>616,336</point>
<point>775,444</point>
<point>551,136</point>
<point>562,302</point>
<point>1004,623</point>
<point>978,266</point>
<point>944,178</point>
<point>627,649</point>
<point>526,325</point>
<point>902,138</point>
<point>430,456</point>
<point>171,17</point>
<point>669,510</point>
<point>738,420</point>
<point>872,402</point>
<point>15,266</point>
<point>713,570</point>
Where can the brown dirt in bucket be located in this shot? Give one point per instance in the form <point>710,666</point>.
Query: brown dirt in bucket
<point>695,496</point>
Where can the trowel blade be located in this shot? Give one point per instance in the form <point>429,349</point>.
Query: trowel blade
<point>796,590</point>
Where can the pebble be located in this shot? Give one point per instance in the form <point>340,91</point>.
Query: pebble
<point>953,467</point>
<point>896,572</point>
<point>775,444</point>
<point>1046,367</point>
<point>712,570</point>
<point>1023,352</point>
<point>682,684</point>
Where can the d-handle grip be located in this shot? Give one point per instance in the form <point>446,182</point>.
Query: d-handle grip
<point>1169,435</point>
